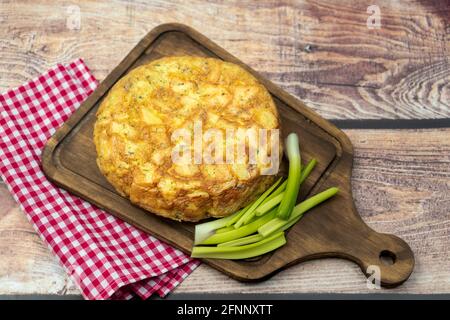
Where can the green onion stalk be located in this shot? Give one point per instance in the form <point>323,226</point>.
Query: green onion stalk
<point>278,224</point>
<point>240,252</point>
<point>249,214</point>
<point>293,180</point>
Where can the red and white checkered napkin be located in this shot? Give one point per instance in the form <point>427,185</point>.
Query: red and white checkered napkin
<point>105,256</point>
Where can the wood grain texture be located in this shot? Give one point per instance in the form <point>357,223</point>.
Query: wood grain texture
<point>320,51</point>
<point>26,264</point>
<point>398,189</point>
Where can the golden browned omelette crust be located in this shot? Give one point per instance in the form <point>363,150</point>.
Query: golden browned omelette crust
<point>136,120</point>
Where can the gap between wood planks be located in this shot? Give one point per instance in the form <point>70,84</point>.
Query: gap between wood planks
<point>391,123</point>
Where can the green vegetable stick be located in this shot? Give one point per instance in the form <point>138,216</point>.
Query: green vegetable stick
<point>275,198</point>
<point>243,231</point>
<point>293,180</point>
<point>307,170</point>
<point>224,229</point>
<point>276,224</point>
<point>241,241</point>
<point>265,207</point>
<point>248,215</point>
<point>274,194</point>
<point>236,217</point>
<point>279,190</point>
<point>272,226</point>
<point>241,252</point>
<point>206,229</point>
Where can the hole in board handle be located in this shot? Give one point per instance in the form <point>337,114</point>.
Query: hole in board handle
<point>387,257</point>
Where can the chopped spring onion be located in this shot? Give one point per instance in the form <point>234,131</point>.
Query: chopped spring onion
<point>293,180</point>
<point>274,194</point>
<point>236,217</point>
<point>250,213</point>
<point>259,227</point>
<point>205,230</point>
<point>268,205</point>
<point>307,170</point>
<point>225,229</point>
<point>243,231</point>
<point>241,252</point>
<point>276,224</point>
<point>272,200</point>
<point>279,190</point>
<point>242,241</point>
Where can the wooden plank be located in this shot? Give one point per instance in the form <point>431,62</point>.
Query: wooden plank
<point>26,264</point>
<point>398,189</point>
<point>320,51</point>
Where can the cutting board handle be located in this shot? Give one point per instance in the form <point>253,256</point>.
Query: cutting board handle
<point>382,256</point>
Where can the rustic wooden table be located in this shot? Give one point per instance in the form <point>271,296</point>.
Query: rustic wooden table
<point>397,74</point>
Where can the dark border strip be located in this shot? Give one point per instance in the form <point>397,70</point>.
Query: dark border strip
<point>391,123</point>
<point>306,296</point>
<point>257,296</point>
<point>40,297</point>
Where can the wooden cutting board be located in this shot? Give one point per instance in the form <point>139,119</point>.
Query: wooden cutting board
<point>333,229</point>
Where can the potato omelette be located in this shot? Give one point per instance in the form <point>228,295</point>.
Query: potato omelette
<point>136,122</point>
